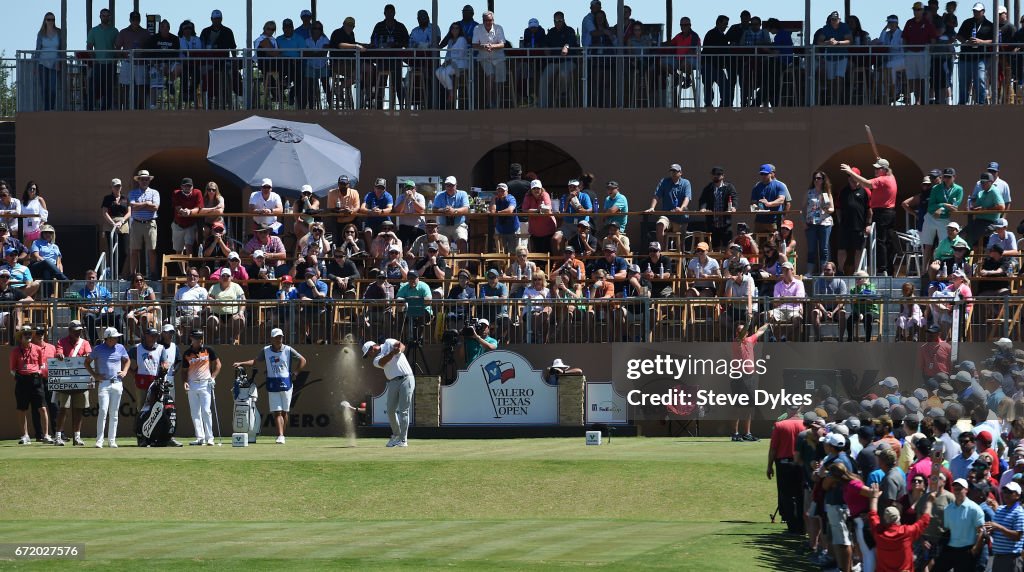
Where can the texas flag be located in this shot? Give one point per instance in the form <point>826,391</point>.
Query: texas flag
<point>499,371</point>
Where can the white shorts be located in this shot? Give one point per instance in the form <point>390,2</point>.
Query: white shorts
<point>933,229</point>
<point>493,67</point>
<point>836,68</point>
<point>182,237</point>
<point>837,515</point>
<point>785,315</point>
<point>125,76</point>
<point>669,225</point>
<point>455,231</point>
<point>916,65</point>
<point>280,400</point>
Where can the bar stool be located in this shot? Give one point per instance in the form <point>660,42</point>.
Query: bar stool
<point>416,89</point>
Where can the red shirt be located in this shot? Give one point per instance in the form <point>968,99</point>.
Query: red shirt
<point>193,201</point>
<point>49,351</point>
<point>26,360</point>
<point>933,358</point>
<point>539,225</point>
<point>686,45</point>
<point>66,347</point>
<point>916,34</point>
<point>883,192</point>
<point>892,543</point>
<point>784,436</point>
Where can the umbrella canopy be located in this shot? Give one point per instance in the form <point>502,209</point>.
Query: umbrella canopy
<point>290,153</point>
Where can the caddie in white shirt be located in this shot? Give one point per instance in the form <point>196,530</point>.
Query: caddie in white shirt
<point>278,358</point>
<point>389,356</point>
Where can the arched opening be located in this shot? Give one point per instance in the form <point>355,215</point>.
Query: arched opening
<point>552,165</point>
<point>908,173</point>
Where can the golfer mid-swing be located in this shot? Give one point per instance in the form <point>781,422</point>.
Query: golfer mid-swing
<point>401,383</point>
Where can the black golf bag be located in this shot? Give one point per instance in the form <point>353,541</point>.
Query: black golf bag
<point>247,418</point>
<point>157,419</point>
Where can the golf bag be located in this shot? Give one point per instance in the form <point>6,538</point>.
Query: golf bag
<point>247,418</point>
<point>157,419</point>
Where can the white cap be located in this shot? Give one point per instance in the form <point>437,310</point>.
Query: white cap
<point>234,256</point>
<point>961,482</point>
<point>115,182</point>
<point>1012,486</point>
<point>168,328</point>
<point>836,440</point>
<point>450,180</point>
<point>259,253</point>
<point>1002,10</point>
<point>1004,342</point>
<point>889,382</point>
<point>367,347</point>
<point>225,272</point>
<point>978,7</point>
<point>266,183</point>
<point>111,333</point>
<point>306,188</point>
<point>276,332</point>
<point>502,186</point>
<point>484,321</point>
<point>953,224</point>
<point>536,184</point>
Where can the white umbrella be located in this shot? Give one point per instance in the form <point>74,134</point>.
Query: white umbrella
<point>290,153</point>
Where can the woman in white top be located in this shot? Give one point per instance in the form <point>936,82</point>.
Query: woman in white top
<point>32,204</point>
<point>188,40</point>
<point>266,56</point>
<point>538,313</point>
<point>49,48</point>
<point>818,215</point>
<point>456,60</point>
<point>9,205</point>
<point>317,70</point>
<point>521,267</point>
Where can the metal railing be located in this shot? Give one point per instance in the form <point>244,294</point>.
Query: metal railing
<point>529,321</point>
<point>633,78</point>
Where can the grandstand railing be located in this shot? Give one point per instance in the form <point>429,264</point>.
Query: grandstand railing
<point>639,77</point>
<point>515,320</point>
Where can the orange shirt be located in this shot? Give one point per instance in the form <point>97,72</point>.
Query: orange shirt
<point>349,200</point>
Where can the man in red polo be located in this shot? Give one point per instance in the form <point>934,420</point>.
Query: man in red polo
<point>788,475</point>
<point>882,200</point>
<point>186,202</point>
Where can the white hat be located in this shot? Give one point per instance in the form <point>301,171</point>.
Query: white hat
<point>234,256</point>
<point>115,182</point>
<point>889,382</point>
<point>536,184</point>
<point>276,332</point>
<point>266,183</point>
<point>836,440</point>
<point>558,364</point>
<point>394,248</point>
<point>168,328</point>
<point>953,224</point>
<point>1004,342</point>
<point>367,347</point>
<point>306,189</point>
<point>225,272</point>
<point>978,7</point>
<point>143,174</point>
<point>450,180</point>
<point>484,321</point>
<point>961,482</point>
<point>259,254</point>
<point>111,333</point>
<point>1002,10</point>
<point>1012,486</point>
<point>502,187</point>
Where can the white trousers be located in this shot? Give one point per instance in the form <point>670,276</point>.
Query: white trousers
<point>867,555</point>
<point>199,404</point>
<point>109,394</point>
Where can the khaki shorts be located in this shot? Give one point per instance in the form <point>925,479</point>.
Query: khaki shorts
<point>454,232</point>
<point>143,235</point>
<point>784,315</point>
<point>73,400</point>
<point>669,225</point>
<point>182,237</point>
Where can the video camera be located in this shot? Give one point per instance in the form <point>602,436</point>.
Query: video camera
<point>472,326</point>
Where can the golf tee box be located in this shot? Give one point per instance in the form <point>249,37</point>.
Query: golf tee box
<point>593,437</point>
<point>239,439</point>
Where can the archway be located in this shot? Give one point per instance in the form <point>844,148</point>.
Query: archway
<point>552,165</point>
<point>907,172</point>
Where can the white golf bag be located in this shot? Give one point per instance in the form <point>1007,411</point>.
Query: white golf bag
<point>247,418</point>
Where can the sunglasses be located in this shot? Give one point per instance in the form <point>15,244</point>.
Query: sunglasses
<point>819,178</point>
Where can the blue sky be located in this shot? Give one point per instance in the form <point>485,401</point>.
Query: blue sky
<point>22,19</point>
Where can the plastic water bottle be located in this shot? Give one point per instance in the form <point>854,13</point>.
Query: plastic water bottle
<point>337,204</point>
<point>661,269</point>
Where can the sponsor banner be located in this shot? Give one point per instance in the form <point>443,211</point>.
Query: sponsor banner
<point>605,405</point>
<point>68,374</point>
<point>499,388</point>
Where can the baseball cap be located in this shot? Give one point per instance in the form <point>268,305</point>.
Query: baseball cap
<point>569,250</point>
<point>412,274</point>
<point>186,181</point>
<point>5,272</point>
<point>788,265</point>
<point>493,272</point>
<point>216,14</point>
<point>343,179</point>
<point>233,255</point>
<point>675,167</point>
<point>266,183</point>
<point>703,246</point>
<point>394,248</point>
<point>276,332</point>
<point>152,331</point>
<point>367,346</point>
<point>484,321</point>
<point>953,224</point>
<point>306,189</point>
<point>978,7</point>
<point>111,333</point>
<point>536,184</point>
<point>305,13</point>
<point>10,250</point>
<point>1011,486</point>
<point>450,180</point>
<point>533,23</point>
<point>893,18</point>
<point>583,223</point>
<point>115,182</point>
<point>574,182</point>
<point>993,166</point>
<point>75,325</point>
<point>717,170</point>
<point>836,440</point>
<point>654,246</point>
<point>961,482</point>
<point>984,436</point>
<point>1000,223</point>
<point>288,278</point>
<point>380,182</point>
<point>310,271</point>
<point>889,382</point>
<point>225,272</point>
<point>766,169</point>
<point>612,184</point>
<point>432,246</point>
<point>260,254</point>
<point>168,328</point>
<point>610,247</point>
<point>881,164</point>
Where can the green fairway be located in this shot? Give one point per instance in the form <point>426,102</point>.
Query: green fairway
<point>690,504</point>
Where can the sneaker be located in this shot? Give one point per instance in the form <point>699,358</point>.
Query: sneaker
<point>78,442</point>
<point>750,437</point>
<point>99,444</point>
<point>113,444</point>
<point>280,440</point>
<point>173,443</point>
<point>59,441</point>
<point>736,437</point>
<point>209,443</point>
<point>402,444</point>
<point>196,443</point>
<point>24,440</point>
<point>47,439</point>
<point>392,441</point>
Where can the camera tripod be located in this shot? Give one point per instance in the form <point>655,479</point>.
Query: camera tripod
<point>414,347</point>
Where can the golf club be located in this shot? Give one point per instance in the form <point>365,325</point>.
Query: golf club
<point>216,416</point>
<point>347,405</point>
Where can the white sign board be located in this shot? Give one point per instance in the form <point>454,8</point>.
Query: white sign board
<point>605,405</point>
<point>68,374</point>
<point>499,388</point>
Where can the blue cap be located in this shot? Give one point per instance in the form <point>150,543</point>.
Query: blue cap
<point>993,166</point>
<point>767,168</point>
<point>534,23</point>
<point>966,365</point>
<point>215,14</point>
<point>305,13</point>
<point>10,250</point>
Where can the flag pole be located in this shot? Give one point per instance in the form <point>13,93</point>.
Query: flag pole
<point>487,386</point>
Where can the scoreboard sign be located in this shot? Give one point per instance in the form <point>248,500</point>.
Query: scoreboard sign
<point>68,374</point>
